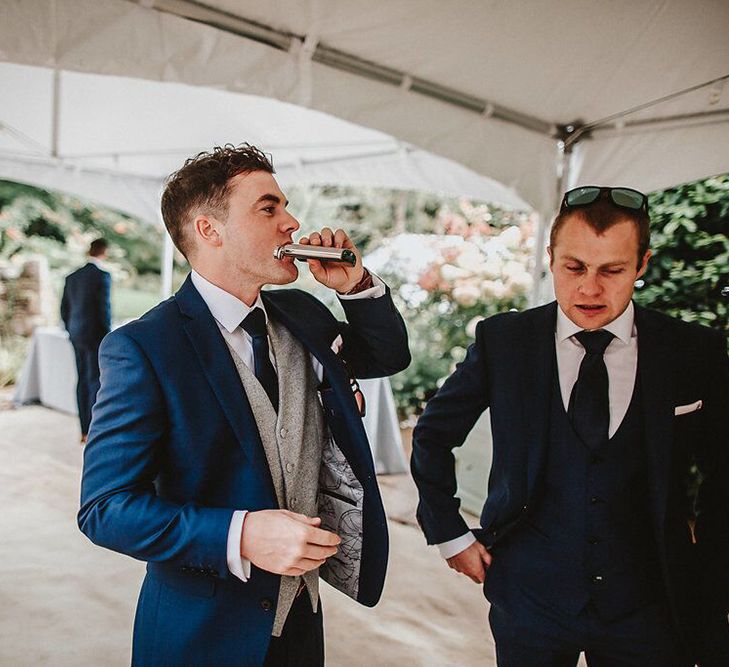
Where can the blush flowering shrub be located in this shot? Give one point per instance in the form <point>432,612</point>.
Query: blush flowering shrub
<point>445,283</point>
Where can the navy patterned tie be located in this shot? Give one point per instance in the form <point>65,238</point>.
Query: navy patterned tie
<point>255,325</point>
<point>589,407</point>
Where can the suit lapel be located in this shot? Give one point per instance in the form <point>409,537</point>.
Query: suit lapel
<point>315,344</point>
<point>538,391</point>
<point>657,382</point>
<point>219,369</point>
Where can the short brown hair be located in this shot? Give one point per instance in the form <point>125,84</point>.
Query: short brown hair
<point>603,214</point>
<point>202,185</point>
<point>98,247</point>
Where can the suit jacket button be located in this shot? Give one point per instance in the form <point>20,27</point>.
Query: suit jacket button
<point>597,579</point>
<point>266,604</point>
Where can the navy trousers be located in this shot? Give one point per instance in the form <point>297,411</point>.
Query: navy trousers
<point>87,365</point>
<point>548,638</point>
<point>301,643</point>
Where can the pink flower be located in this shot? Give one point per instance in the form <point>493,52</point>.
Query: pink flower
<point>429,279</point>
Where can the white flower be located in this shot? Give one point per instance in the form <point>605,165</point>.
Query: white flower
<point>493,289</point>
<point>452,273</point>
<point>492,267</point>
<point>466,294</point>
<point>512,268</point>
<point>511,237</point>
<point>522,282</point>
<point>471,326</point>
<point>470,257</point>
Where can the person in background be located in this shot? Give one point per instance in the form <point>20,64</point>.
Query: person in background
<point>227,448</point>
<point>86,314</point>
<point>590,537</point>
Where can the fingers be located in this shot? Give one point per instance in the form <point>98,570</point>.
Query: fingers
<point>486,557</point>
<point>473,562</point>
<point>327,238</point>
<point>303,566</point>
<point>322,538</point>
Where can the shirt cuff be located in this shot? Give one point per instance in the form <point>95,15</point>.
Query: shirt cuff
<point>237,565</point>
<point>454,547</point>
<point>377,290</point>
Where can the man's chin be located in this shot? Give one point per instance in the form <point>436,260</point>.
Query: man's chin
<point>286,276</point>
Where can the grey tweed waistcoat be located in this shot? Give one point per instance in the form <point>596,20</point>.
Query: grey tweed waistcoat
<point>299,452</point>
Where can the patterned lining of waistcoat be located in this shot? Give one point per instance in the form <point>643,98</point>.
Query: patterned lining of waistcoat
<point>313,461</point>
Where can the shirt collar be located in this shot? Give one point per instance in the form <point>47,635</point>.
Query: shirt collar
<point>622,327</point>
<point>227,309</point>
<point>95,261</point>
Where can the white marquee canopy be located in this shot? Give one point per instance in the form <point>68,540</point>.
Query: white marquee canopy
<point>627,92</point>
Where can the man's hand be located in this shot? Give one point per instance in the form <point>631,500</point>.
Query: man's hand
<point>473,562</point>
<point>337,275</point>
<point>284,542</point>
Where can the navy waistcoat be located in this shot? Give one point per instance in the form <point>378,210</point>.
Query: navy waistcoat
<point>588,537</point>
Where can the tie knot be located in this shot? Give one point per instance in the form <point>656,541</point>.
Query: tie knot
<point>255,323</point>
<point>595,342</point>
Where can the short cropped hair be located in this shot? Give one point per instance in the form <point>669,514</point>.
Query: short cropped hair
<point>98,247</point>
<point>603,214</point>
<point>202,185</point>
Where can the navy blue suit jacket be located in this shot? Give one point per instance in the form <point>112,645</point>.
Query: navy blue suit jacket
<point>86,305</point>
<point>510,369</point>
<point>174,449</point>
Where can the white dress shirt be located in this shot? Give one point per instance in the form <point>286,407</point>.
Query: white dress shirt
<point>621,360</point>
<point>228,312</point>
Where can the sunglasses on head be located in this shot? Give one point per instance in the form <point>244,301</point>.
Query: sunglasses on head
<point>589,194</point>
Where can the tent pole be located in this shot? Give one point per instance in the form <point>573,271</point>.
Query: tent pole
<point>168,258</point>
<point>563,168</point>
<point>56,114</point>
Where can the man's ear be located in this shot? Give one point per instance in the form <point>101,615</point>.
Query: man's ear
<point>550,255</point>
<point>643,264</point>
<point>205,228</point>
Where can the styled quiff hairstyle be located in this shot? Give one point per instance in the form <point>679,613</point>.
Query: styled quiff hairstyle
<point>202,186</point>
<point>603,214</point>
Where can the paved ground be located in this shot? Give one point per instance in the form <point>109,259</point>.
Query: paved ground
<point>66,602</point>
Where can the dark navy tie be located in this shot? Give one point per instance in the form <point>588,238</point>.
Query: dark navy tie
<point>589,407</point>
<point>255,325</point>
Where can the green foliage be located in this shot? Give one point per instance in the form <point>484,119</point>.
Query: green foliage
<point>60,227</point>
<point>690,263</point>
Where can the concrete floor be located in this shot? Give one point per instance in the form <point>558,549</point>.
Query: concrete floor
<point>66,602</point>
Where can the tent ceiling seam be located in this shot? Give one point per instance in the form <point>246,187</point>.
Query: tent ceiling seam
<point>346,62</point>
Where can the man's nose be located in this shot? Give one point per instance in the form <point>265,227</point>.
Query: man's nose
<point>590,285</point>
<point>291,224</point>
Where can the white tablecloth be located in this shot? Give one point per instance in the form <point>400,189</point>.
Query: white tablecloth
<point>383,429</point>
<point>49,376</point>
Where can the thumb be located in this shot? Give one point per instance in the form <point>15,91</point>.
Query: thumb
<point>484,553</point>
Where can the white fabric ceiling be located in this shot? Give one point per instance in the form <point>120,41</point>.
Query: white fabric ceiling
<point>119,137</point>
<point>540,64</point>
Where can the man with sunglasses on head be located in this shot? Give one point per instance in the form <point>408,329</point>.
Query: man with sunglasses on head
<point>593,537</point>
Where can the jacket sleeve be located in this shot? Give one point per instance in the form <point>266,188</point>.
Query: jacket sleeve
<point>712,506</point>
<point>105,302</point>
<point>448,418</point>
<point>375,337</point>
<point>65,306</point>
<point>120,509</point>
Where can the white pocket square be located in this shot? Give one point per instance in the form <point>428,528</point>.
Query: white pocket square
<point>685,409</point>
